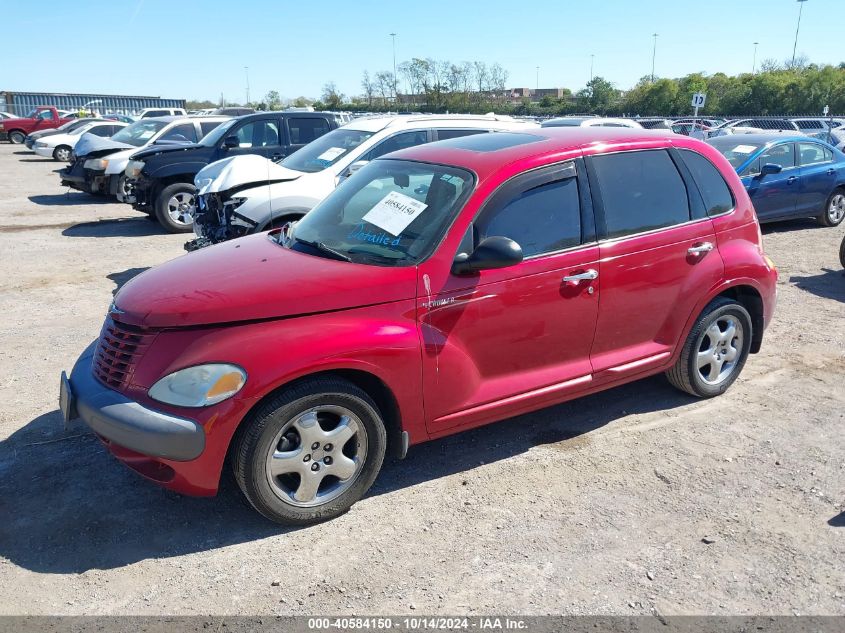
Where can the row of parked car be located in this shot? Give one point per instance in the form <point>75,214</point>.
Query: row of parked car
<point>422,275</point>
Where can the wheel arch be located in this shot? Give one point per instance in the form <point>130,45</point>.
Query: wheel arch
<point>287,214</point>
<point>368,382</point>
<point>749,298</point>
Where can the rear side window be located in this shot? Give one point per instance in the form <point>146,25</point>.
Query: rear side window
<point>543,219</point>
<point>811,154</point>
<point>715,191</point>
<point>303,131</point>
<point>101,130</point>
<point>640,191</point>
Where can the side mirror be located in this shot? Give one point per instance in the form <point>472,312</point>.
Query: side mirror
<point>770,168</point>
<point>231,142</point>
<point>355,167</point>
<point>492,252</point>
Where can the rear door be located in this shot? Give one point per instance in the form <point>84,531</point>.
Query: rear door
<point>818,177</point>
<point>658,254</point>
<point>302,130</point>
<point>774,195</point>
<point>499,340</point>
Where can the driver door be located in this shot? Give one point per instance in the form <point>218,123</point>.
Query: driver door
<point>509,340</point>
<point>774,195</point>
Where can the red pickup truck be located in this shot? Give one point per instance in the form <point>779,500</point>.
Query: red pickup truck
<point>43,118</point>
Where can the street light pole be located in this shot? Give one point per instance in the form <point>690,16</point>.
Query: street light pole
<point>795,46</point>
<point>754,63</point>
<point>393,35</point>
<point>246,70</point>
<point>653,56</point>
<point>591,67</point>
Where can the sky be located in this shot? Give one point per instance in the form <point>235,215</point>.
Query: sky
<point>198,49</point>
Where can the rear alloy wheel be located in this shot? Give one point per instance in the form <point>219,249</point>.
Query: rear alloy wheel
<point>715,350</point>
<point>311,452</point>
<point>17,137</point>
<point>834,211</point>
<point>62,153</point>
<point>175,207</point>
<point>842,253</point>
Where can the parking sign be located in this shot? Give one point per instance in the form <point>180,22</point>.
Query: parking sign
<point>698,99</point>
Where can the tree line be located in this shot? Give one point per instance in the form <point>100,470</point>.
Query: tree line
<point>429,85</point>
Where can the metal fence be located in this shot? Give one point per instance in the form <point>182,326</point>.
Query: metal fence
<point>22,103</point>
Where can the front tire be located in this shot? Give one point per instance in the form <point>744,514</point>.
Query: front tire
<point>175,206</point>
<point>834,209</point>
<point>309,453</point>
<point>715,350</point>
<point>842,253</point>
<point>16,137</point>
<point>62,153</point>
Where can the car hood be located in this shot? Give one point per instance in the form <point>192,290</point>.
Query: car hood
<point>254,278</point>
<point>91,144</point>
<point>43,133</point>
<point>238,172</point>
<point>158,149</point>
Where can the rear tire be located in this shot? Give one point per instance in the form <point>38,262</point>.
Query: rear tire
<point>309,453</point>
<point>715,350</point>
<point>62,153</point>
<point>16,137</point>
<point>174,207</point>
<point>834,209</point>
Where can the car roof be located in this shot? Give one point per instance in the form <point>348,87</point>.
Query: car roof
<point>757,139</point>
<point>486,154</point>
<point>378,123</point>
<point>182,117</point>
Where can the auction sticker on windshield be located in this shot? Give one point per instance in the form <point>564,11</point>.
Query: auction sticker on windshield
<point>330,154</point>
<point>744,149</point>
<point>394,212</point>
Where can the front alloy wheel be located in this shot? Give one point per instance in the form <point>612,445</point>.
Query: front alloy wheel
<point>310,452</point>
<point>175,207</point>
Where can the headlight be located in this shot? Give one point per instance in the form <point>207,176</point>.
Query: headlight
<point>134,168</point>
<point>199,386</point>
<point>97,164</point>
<point>201,183</point>
<point>40,144</point>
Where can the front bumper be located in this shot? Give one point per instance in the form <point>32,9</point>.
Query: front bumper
<point>77,177</point>
<point>44,151</point>
<point>124,422</point>
<point>140,194</point>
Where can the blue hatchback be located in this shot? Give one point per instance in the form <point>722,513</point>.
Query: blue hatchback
<point>788,176</point>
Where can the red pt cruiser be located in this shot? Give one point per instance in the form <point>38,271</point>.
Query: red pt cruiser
<point>438,289</point>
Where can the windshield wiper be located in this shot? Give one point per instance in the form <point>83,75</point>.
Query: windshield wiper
<point>320,246</point>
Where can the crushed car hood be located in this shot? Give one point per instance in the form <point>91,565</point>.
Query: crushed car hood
<point>98,146</point>
<point>254,278</point>
<point>237,171</point>
<point>160,148</point>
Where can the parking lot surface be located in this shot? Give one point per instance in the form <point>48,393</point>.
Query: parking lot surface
<point>639,500</point>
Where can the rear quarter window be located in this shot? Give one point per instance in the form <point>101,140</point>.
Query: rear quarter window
<point>712,186</point>
<point>640,191</point>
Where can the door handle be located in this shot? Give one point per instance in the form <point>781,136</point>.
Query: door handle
<point>700,249</point>
<point>831,171</point>
<point>790,180</point>
<point>587,275</point>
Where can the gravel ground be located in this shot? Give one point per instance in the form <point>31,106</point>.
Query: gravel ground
<point>638,500</point>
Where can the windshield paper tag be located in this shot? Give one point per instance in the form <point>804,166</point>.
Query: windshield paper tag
<point>394,212</point>
<point>330,154</point>
<point>744,149</point>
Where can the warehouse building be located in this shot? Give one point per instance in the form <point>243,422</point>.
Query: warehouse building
<point>22,103</point>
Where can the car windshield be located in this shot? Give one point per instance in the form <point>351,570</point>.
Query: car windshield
<point>389,213</point>
<point>736,150</point>
<point>139,133</point>
<point>212,138</point>
<point>326,150</point>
